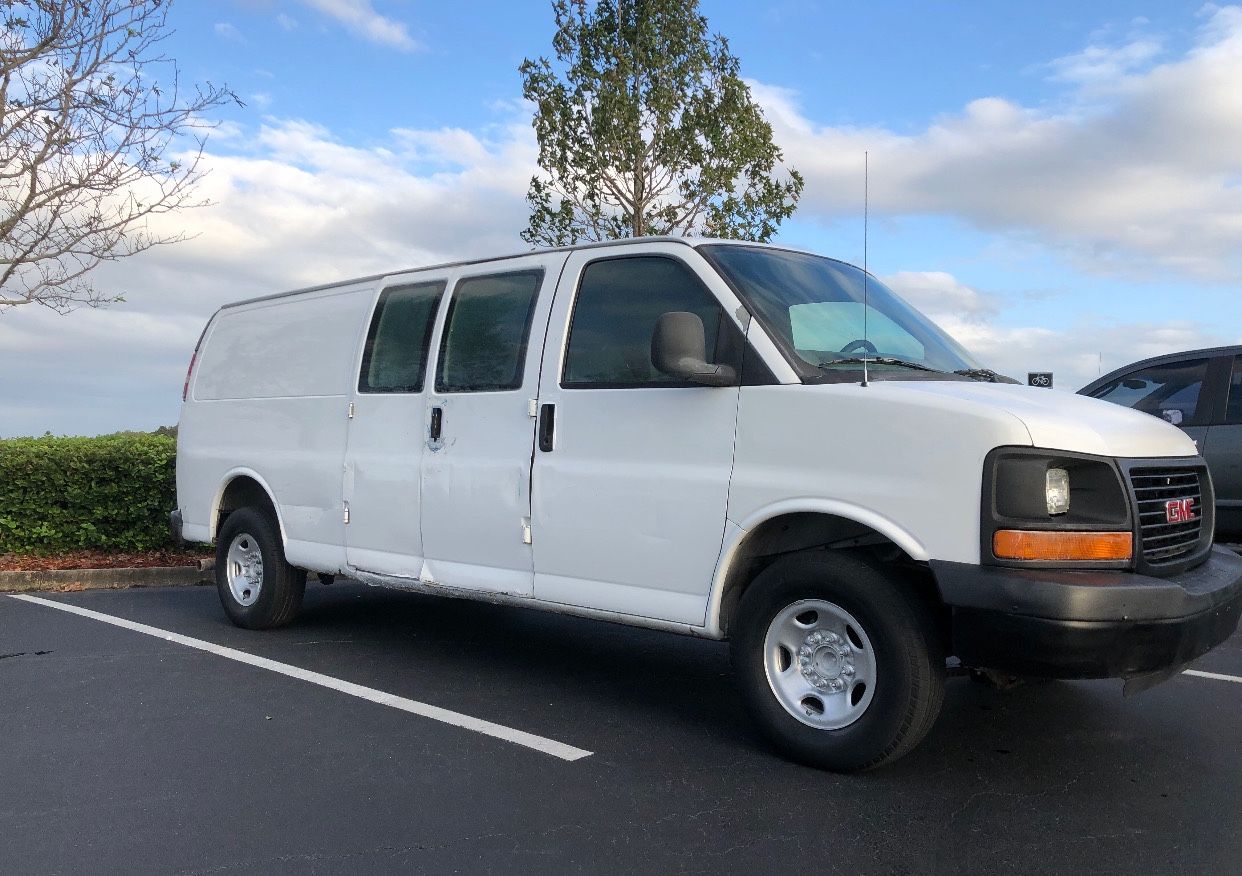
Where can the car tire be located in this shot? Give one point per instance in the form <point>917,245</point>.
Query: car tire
<point>840,663</point>
<point>257,587</point>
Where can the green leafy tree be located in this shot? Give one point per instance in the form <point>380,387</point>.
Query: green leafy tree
<point>646,127</point>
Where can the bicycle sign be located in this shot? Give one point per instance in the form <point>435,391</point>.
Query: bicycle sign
<point>1039,378</point>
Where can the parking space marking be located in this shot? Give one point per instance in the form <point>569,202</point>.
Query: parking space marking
<point>435,713</point>
<point>1216,676</point>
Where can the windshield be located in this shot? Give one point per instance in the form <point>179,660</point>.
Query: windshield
<point>813,307</point>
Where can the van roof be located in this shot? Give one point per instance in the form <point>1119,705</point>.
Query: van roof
<point>688,241</point>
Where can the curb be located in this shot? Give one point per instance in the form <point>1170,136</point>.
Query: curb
<point>104,579</point>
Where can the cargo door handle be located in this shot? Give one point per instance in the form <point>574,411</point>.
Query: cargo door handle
<point>547,427</point>
<point>437,423</point>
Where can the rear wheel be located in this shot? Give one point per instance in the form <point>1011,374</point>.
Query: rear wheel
<point>257,587</point>
<point>841,665</point>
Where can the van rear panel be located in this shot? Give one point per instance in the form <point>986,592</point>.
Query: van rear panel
<point>271,388</point>
<point>292,347</point>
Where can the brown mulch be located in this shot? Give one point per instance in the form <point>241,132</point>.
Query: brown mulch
<point>91,559</point>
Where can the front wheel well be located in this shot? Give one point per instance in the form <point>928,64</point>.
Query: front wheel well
<point>813,531</point>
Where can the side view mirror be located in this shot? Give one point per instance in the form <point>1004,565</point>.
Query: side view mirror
<point>679,349</point>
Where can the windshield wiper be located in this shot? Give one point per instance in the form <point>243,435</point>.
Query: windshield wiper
<point>984,374</point>
<point>878,360</point>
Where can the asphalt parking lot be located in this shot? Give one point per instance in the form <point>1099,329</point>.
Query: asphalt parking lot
<point>125,752</point>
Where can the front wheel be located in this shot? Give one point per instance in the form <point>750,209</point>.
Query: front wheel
<point>257,587</point>
<point>841,665</point>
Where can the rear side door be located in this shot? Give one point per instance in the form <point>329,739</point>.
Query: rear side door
<point>480,426</point>
<point>383,461</point>
<point>1223,452</point>
<point>631,473</point>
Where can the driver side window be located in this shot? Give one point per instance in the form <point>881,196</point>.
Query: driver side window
<point>618,303</point>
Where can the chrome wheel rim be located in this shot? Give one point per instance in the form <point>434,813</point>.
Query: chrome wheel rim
<point>820,664</point>
<point>243,569</point>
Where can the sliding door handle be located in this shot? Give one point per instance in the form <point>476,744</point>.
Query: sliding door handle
<point>437,423</point>
<point>547,428</point>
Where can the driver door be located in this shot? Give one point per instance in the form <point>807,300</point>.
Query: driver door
<point>631,470</point>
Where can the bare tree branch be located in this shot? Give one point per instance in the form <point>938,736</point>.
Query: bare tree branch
<point>90,113</point>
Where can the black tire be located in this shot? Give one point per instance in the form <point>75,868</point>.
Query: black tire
<point>281,587</point>
<point>908,658</point>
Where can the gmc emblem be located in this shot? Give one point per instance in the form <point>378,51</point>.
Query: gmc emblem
<point>1179,510</point>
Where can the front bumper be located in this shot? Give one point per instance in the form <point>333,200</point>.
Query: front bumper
<point>1063,624</point>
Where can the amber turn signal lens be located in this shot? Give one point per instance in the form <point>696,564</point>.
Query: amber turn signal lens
<point>1016,544</point>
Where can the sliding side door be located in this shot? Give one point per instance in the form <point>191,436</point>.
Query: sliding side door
<point>383,461</point>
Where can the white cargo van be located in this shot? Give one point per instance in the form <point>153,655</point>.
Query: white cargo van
<point>706,437</point>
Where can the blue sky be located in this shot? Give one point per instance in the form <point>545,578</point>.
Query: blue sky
<point>1058,184</point>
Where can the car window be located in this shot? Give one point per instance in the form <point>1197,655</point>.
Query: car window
<point>826,315</point>
<point>619,301</point>
<point>834,325</point>
<point>1233,413</point>
<point>1171,391</point>
<point>486,332</point>
<point>395,354</point>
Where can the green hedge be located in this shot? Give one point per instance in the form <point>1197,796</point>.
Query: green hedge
<point>113,492</point>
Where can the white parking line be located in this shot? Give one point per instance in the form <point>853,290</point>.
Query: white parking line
<point>435,713</point>
<point>1216,676</point>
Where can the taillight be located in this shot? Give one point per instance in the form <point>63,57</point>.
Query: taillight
<point>185,390</point>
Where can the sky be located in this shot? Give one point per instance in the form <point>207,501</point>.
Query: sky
<point>1058,184</point>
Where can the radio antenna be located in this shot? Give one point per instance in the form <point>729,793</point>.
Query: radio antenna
<point>866,210</point>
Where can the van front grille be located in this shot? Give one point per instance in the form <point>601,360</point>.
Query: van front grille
<point>1161,541</point>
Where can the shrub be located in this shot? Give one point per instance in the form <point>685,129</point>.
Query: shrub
<point>113,492</point>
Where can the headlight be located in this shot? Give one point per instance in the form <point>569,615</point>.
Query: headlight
<point>1057,491</point>
<point>1054,509</point>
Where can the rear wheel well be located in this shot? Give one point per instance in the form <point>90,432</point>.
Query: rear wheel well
<point>812,531</point>
<point>245,492</point>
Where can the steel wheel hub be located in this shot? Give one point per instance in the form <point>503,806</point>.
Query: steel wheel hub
<point>244,569</point>
<point>826,661</point>
<point>820,664</point>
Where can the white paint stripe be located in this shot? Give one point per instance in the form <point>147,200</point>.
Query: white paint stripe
<point>1213,675</point>
<point>466,722</point>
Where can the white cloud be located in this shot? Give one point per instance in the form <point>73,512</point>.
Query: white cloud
<point>298,208</point>
<point>940,293</point>
<point>1081,351</point>
<point>361,17</point>
<point>227,31</point>
<point>1077,351</point>
<point>1143,177</point>
<point>286,22</point>
<point>1096,64</point>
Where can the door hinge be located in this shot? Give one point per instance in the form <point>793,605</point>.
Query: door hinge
<point>532,408</point>
<point>345,516</point>
<point>351,410</point>
<point>526,539</point>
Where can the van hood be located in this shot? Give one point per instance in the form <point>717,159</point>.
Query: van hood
<point>1055,419</point>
